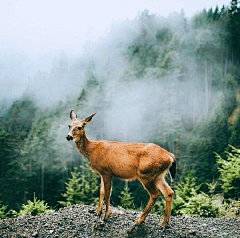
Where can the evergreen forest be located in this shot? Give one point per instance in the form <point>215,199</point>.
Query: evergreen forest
<point>172,81</point>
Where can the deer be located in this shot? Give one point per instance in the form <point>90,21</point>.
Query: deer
<point>147,162</point>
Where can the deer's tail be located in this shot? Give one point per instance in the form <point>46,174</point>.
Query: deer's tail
<point>173,169</point>
<point>174,166</point>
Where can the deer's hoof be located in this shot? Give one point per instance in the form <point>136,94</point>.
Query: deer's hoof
<point>99,212</point>
<point>106,216</point>
<point>133,228</point>
<point>139,221</point>
<point>165,224</point>
<point>99,225</point>
<point>136,226</point>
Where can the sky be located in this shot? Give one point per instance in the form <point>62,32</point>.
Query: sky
<point>37,26</point>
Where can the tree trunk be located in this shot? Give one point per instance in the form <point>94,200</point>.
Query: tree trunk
<point>206,88</point>
<point>42,180</point>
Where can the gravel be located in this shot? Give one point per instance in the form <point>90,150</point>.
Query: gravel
<point>82,221</point>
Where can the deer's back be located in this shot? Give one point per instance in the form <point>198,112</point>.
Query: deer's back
<point>130,160</point>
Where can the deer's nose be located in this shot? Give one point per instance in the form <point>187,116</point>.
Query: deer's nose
<point>69,137</point>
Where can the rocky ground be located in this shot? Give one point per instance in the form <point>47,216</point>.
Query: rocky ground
<point>82,221</point>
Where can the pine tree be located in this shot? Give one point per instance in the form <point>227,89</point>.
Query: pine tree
<point>229,169</point>
<point>73,194</point>
<point>14,130</point>
<point>81,187</point>
<point>126,198</point>
<point>235,135</point>
<point>35,207</point>
<point>234,27</point>
<point>191,201</point>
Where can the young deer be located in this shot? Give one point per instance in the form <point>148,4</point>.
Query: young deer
<point>148,163</point>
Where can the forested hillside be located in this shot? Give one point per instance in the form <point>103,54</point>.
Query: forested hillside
<point>171,81</point>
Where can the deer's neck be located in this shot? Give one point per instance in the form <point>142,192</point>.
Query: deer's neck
<point>84,146</point>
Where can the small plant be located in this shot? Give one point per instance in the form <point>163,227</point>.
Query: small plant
<point>81,188</point>
<point>73,190</point>
<point>201,205</point>
<point>3,213</point>
<point>229,169</point>
<point>34,208</point>
<point>230,208</point>
<point>126,198</point>
<point>190,201</point>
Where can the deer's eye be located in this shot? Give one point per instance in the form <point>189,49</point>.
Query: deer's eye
<point>69,126</point>
<point>79,128</point>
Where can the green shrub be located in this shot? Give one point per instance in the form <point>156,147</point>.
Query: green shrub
<point>201,205</point>
<point>126,198</point>
<point>35,207</point>
<point>3,213</point>
<point>81,188</point>
<point>193,202</point>
<point>229,169</point>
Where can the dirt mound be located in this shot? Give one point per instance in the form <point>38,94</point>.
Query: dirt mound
<point>82,221</point>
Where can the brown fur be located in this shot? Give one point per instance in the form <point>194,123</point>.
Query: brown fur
<point>143,161</point>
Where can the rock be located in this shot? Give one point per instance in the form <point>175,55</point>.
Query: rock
<point>35,234</point>
<point>192,232</point>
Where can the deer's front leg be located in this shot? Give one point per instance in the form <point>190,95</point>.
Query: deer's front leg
<point>107,180</point>
<point>100,206</point>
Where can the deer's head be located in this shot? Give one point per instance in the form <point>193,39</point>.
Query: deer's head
<point>76,128</point>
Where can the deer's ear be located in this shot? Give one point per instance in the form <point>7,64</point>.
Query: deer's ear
<point>73,115</point>
<point>89,118</point>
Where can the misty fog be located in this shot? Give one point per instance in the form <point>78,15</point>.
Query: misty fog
<point>136,101</point>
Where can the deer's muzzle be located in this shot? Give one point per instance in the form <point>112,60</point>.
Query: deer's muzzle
<point>69,137</point>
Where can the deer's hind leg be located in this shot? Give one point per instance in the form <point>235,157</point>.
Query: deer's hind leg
<point>154,193</point>
<point>168,195</point>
